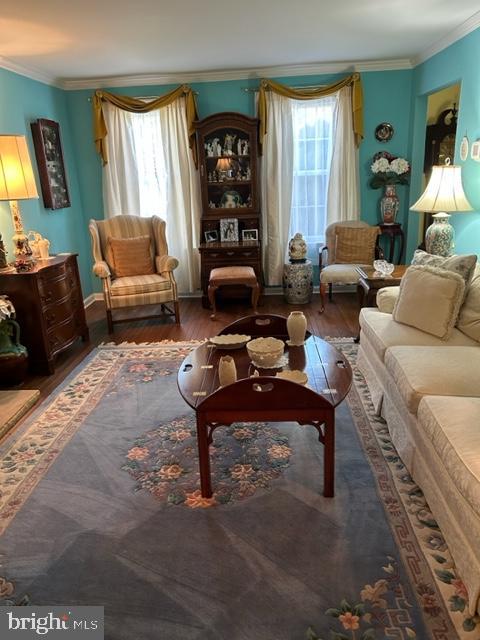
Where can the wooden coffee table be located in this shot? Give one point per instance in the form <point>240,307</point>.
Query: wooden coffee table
<point>266,398</point>
<point>370,282</point>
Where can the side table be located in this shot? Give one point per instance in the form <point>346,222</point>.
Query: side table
<point>393,231</point>
<point>370,282</point>
<point>298,282</point>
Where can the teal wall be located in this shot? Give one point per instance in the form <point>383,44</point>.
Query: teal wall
<point>23,101</point>
<point>398,97</point>
<point>457,63</point>
<point>387,97</point>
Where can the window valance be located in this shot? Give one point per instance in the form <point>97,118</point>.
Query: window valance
<point>135,105</point>
<point>312,94</point>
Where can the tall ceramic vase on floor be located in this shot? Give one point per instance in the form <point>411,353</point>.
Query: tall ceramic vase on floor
<point>296,327</point>
<point>389,204</point>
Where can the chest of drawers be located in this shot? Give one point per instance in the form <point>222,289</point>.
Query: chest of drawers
<point>49,306</point>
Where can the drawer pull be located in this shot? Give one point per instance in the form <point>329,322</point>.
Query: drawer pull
<point>247,253</point>
<point>230,253</point>
<point>214,255</point>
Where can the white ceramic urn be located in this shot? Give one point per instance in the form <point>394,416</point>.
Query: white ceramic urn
<point>296,327</point>
<point>227,371</point>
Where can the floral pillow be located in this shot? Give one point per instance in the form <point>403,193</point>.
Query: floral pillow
<point>463,265</point>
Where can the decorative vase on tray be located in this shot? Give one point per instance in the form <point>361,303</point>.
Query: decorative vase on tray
<point>296,327</point>
<point>227,371</point>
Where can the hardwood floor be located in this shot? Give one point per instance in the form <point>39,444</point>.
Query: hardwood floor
<point>339,319</point>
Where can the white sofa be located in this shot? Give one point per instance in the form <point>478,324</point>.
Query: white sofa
<point>428,391</point>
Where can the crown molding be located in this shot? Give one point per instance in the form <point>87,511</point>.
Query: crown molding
<point>457,34</point>
<point>235,74</point>
<point>30,72</point>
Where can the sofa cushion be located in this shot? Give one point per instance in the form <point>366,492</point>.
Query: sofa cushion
<point>386,298</point>
<point>381,331</point>
<point>469,317</point>
<point>355,245</point>
<point>429,299</point>
<point>423,371</point>
<point>132,285</point>
<point>130,256</point>
<point>463,265</point>
<point>452,427</point>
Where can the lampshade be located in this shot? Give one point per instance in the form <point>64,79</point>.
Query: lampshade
<point>444,191</point>
<point>16,174</point>
<point>223,164</point>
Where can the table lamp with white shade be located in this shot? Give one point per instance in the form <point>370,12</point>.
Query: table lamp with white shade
<point>444,195</point>
<point>17,183</point>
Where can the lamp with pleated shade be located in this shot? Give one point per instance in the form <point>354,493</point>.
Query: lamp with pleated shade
<point>444,194</point>
<point>17,183</point>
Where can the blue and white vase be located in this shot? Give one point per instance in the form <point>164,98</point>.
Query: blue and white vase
<point>439,237</point>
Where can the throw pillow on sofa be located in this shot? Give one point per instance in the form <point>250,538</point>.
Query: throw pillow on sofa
<point>469,317</point>
<point>386,299</point>
<point>429,299</point>
<point>464,265</point>
<point>130,256</point>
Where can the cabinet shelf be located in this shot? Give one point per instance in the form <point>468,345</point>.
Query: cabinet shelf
<point>230,183</point>
<point>213,130</point>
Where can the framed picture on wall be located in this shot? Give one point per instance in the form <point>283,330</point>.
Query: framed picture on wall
<point>51,168</point>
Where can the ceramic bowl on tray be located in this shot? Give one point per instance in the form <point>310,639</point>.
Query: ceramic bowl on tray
<point>230,340</point>
<point>383,267</point>
<point>294,375</point>
<point>265,352</point>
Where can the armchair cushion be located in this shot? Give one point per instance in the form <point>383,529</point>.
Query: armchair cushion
<point>132,285</point>
<point>355,245</point>
<point>130,256</point>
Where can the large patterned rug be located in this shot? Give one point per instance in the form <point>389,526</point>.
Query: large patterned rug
<point>99,504</point>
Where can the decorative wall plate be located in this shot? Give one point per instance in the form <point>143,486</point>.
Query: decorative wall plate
<point>384,132</point>
<point>475,152</point>
<point>464,149</point>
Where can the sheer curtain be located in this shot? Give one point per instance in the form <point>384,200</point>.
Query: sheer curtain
<point>150,171</point>
<point>343,199</point>
<point>277,181</point>
<point>313,143</point>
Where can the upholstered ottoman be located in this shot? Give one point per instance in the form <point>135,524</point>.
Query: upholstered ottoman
<point>222,276</point>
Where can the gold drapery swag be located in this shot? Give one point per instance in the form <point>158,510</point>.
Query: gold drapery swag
<point>311,94</point>
<point>134,105</point>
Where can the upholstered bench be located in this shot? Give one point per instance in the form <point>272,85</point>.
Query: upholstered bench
<point>222,276</point>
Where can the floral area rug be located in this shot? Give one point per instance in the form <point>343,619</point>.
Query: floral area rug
<point>100,504</point>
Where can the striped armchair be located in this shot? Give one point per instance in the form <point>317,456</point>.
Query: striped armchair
<point>156,288</point>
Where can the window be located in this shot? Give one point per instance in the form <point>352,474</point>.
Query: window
<point>313,138</point>
<point>147,141</point>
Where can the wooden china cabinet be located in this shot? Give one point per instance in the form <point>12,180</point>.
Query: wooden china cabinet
<point>228,163</point>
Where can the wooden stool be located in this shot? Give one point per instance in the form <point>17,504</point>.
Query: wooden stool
<point>229,276</point>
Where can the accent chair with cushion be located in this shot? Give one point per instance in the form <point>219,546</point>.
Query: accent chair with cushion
<point>131,257</point>
<point>349,244</point>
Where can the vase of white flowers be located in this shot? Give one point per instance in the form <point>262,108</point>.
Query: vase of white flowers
<point>388,171</point>
<point>13,355</point>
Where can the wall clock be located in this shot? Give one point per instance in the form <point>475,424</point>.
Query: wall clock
<point>384,132</point>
